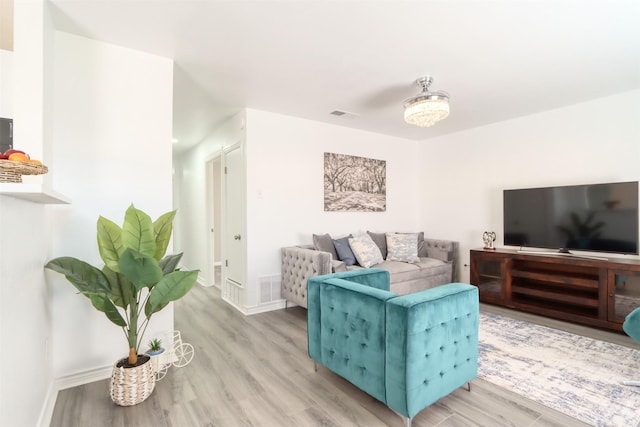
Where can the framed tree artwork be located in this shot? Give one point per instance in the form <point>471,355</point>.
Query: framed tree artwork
<point>354,184</point>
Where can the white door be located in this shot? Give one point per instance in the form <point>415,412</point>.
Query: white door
<point>234,212</point>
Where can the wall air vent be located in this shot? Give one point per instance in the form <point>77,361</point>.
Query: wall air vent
<point>343,114</point>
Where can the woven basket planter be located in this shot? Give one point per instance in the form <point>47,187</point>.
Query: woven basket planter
<point>130,386</point>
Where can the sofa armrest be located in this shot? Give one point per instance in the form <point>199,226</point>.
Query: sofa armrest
<point>444,250</point>
<point>298,265</point>
<point>431,345</point>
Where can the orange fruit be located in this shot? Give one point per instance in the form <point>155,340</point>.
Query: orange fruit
<point>35,162</point>
<point>19,157</point>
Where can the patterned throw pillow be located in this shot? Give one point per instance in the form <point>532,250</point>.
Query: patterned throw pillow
<point>366,251</point>
<point>402,247</point>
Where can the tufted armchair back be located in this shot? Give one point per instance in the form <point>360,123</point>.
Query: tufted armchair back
<point>406,351</point>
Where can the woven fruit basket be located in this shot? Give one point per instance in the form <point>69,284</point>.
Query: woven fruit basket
<point>12,171</point>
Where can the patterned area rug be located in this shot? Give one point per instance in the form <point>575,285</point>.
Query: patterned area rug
<point>578,376</point>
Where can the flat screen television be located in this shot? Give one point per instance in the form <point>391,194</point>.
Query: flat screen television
<point>594,217</point>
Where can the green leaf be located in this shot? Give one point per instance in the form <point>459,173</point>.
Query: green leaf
<point>170,263</point>
<point>162,228</point>
<point>109,242</point>
<point>104,304</point>
<point>85,277</point>
<point>141,269</point>
<point>173,286</point>
<point>149,309</point>
<point>122,290</point>
<point>137,232</point>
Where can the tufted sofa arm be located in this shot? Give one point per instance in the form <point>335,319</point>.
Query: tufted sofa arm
<point>444,250</point>
<point>298,265</point>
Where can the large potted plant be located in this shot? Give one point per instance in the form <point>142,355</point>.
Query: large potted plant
<point>136,281</point>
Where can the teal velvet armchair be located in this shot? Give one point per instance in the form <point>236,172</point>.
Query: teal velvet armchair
<point>631,327</point>
<point>406,351</point>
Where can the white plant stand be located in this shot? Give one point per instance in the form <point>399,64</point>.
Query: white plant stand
<point>178,355</point>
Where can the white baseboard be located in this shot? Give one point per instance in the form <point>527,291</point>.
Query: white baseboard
<point>68,381</point>
<point>263,308</point>
<point>85,377</point>
<point>46,413</point>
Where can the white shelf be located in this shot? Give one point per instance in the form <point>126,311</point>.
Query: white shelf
<point>36,193</point>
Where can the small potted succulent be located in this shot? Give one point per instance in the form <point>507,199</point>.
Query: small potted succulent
<point>155,347</point>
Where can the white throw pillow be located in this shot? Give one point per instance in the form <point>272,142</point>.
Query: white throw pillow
<point>402,247</point>
<point>366,251</point>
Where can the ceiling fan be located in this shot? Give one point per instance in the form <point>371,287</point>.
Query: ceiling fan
<point>426,108</point>
<point>423,109</point>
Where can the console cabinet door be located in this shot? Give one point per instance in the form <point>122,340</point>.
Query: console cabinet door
<point>488,273</point>
<point>623,293</point>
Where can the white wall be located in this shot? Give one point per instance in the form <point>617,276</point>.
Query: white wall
<point>112,147</point>
<point>591,142</point>
<point>285,193</point>
<point>6,84</point>
<point>25,316</point>
<point>285,160</point>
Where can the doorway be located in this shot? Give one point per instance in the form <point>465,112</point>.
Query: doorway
<point>214,220</point>
<point>226,214</point>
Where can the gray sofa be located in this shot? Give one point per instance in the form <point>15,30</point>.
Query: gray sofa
<point>437,265</point>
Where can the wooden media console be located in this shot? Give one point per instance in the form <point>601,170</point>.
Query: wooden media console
<point>594,291</point>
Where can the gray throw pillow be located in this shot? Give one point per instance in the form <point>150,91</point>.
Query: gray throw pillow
<point>366,251</point>
<point>380,239</point>
<point>324,243</point>
<point>402,247</point>
<point>344,251</point>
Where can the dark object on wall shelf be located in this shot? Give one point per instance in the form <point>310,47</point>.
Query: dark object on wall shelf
<point>589,291</point>
<point>594,217</point>
<point>6,134</point>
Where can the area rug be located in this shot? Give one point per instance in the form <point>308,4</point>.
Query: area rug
<point>578,376</point>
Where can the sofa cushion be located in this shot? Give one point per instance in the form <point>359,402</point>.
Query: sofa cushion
<point>380,239</point>
<point>402,247</point>
<point>338,266</point>
<point>404,272</point>
<point>365,250</point>
<point>324,243</point>
<point>344,250</point>
<point>400,271</point>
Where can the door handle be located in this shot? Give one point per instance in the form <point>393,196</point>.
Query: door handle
<point>237,237</point>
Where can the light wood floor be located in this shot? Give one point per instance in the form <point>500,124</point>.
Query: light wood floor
<point>254,371</point>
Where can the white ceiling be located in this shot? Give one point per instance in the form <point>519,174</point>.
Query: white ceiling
<point>498,59</point>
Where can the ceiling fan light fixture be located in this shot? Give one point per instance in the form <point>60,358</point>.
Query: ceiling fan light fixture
<point>426,108</point>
